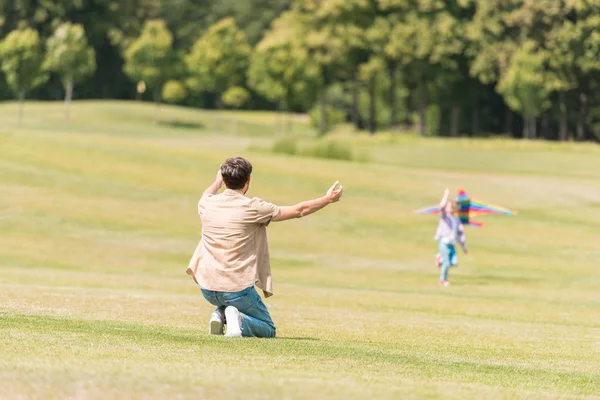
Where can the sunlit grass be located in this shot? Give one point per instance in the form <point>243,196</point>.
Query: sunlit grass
<point>98,221</point>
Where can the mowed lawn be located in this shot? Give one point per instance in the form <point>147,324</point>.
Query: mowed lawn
<point>98,222</point>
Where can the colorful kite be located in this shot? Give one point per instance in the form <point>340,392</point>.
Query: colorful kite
<point>469,208</point>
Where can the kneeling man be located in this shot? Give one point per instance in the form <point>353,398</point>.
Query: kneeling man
<point>233,253</point>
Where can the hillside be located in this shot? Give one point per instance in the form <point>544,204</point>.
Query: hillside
<point>98,221</point>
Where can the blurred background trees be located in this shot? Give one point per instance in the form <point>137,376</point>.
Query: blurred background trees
<point>523,68</point>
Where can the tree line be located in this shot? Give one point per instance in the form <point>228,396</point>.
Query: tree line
<point>523,68</point>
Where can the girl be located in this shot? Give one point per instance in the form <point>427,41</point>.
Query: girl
<point>449,231</point>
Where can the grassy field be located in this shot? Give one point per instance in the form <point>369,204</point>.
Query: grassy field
<point>98,221</point>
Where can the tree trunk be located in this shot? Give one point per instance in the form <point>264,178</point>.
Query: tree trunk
<point>455,120</point>
<point>508,123</point>
<point>422,108</point>
<point>582,114</point>
<point>475,117</point>
<point>545,126</point>
<point>21,103</point>
<point>68,97</point>
<point>323,113</point>
<point>526,126</point>
<point>373,105</point>
<point>354,115</point>
<point>393,99</point>
<point>289,123</point>
<point>282,117</point>
<point>533,128</point>
<point>157,110</point>
<point>563,132</point>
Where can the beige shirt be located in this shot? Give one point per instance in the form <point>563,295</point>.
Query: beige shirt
<point>233,252</point>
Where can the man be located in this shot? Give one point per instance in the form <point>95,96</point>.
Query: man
<point>233,254</point>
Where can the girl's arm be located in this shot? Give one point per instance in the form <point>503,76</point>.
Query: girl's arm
<point>445,198</point>
<point>443,203</point>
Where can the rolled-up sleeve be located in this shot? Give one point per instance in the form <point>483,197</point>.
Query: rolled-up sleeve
<point>264,211</point>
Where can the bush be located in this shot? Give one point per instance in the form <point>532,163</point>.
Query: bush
<point>321,149</point>
<point>174,92</point>
<point>334,117</point>
<point>432,120</point>
<point>235,97</point>
<point>285,146</point>
<point>331,150</point>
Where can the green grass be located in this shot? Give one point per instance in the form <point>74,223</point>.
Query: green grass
<point>98,221</point>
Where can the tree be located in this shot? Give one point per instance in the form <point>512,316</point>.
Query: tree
<point>370,76</point>
<point>251,16</point>
<point>219,59</point>
<point>524,86</point>
<point>174,92</point>
<point>427,39</point>
<point>336,41</point>
<point>378,36</point>
<point>280,68</point>
<point>21,59</point>
<point>70,56</point>
<point>235,97</point>
<point>150,58</point>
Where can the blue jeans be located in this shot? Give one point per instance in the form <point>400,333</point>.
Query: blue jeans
<point>449,258</point>
<point>256,320</point>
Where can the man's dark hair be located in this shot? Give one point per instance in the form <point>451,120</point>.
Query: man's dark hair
<point>235,172</point>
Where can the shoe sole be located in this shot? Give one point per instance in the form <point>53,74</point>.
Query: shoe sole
<point>216,328</point>
<point>231,314</point>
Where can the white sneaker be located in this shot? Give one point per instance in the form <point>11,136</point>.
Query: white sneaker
<point>216,323</point>
<point>233,322</point>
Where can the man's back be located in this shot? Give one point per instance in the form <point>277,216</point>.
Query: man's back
<point>234,252</point>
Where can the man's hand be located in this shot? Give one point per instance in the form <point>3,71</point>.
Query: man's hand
<point>310,206</point>
<point>219,178</point>
<point>216,185</point>
<point>334,194</point>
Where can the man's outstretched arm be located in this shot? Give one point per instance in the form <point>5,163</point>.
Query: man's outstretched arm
<point>310,206</point>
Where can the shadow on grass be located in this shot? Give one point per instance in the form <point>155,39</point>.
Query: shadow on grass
<point>109,335</point>
<point>182,124</point>
<point>107,328</point>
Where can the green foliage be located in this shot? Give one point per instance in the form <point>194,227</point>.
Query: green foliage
<point>235,97</point>
<point>150,58</point>
<point>334,116</point>
<point>252,16</point>
<point>328,149</point>
<point>285,146</point>
<point>524,85</point>
<point>21,59</point>
<point>219,59</point>
<point>331,150</point>
<point>69,54</point>
<point>174,92</point>
<point>460,55</point>
<point>280,67</point>
<point>432,118</point>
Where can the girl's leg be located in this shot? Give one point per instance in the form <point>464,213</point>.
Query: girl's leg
<point>445,252</point>
<point>453,257</point>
